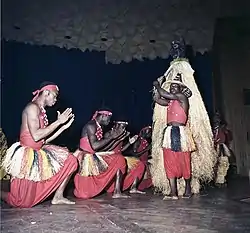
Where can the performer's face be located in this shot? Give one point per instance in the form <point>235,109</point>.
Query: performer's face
<point>175,88</point>
<point>105,119</point>
<point>147,133</point>
<point>51,98</point>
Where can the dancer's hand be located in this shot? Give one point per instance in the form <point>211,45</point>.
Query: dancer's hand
<point>108,134</point>
<point>126,134</point>
<point>133,139</point>
<point>65,116</point>
<point>116,133</point>
<point>156,84</point>
<point>66,126</point>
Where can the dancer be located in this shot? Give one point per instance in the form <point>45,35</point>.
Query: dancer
<point>178,142</point>
<point>222,140</point>
<point>37,168</point>
<point>142,147</point>
<point>135,168</point>
<point>181,127</point>
<point>99,169</point>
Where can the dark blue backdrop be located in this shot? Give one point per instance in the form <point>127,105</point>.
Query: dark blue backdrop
<point>86,83</point>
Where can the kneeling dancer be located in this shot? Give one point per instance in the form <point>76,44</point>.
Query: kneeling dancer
<point>38,169</point>
<point>99,169</point>
<point>135,167</point>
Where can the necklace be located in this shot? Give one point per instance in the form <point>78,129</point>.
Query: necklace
<point>44,117</point>
<point>99,132</point>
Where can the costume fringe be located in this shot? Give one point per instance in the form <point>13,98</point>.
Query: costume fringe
<point>92,165</point>
<point>204,158</point>
<point>222,168</point>
<point>3,149</point>
<point>36,165</point>
<point>223,150</point>
<point>131,162</point>
<point>178,138</point>
<point>223,163</point>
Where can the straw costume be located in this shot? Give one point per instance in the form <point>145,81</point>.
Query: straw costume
<point>196,137</point>
<point>3,149</point>
<point>222,139</point>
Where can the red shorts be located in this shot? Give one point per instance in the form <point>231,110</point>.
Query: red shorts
<point>177,164</point>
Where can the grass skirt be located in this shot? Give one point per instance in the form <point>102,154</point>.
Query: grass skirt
<point>178,139</point>
<point>35,165</point>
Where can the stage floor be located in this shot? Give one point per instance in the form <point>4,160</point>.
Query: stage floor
<point>220,211</point>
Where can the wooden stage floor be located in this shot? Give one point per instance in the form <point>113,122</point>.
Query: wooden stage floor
<point>220,211</point>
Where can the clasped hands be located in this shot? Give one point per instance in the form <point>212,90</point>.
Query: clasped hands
<point>121,134</point>
<point>65,116</point>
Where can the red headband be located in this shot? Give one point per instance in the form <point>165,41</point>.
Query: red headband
<point>121,122</point>
<point>48,87</point>
<point>107,113</point>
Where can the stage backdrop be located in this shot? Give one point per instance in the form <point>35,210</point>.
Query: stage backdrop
<point>86,83</point>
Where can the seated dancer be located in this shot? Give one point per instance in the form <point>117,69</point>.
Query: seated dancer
<point>99,168</point>
<point>142,148</point>
<point>135,168</point>
<point>142,145</point>
<point>38,169</point>
<point>178,141</point>
<point>222,140</point>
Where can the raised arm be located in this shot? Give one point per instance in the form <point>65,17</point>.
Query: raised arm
<point>94,142</point>
<point>137,154</point>
<point>160,101</point>
<point>116,142</point>
<point>130,142</point>
<point>32,114</point>
<point>163,93</point>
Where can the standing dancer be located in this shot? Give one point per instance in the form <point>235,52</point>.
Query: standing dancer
<point>180,125</point>
<point>222,140</point>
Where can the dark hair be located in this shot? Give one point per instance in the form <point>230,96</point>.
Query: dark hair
<point>46,83</point>
<point>104,109</point>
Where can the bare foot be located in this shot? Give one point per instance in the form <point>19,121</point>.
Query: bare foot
<point>120,195</point>
<point>170,197</point>
<point>62,201</point>
<point>134,191</point>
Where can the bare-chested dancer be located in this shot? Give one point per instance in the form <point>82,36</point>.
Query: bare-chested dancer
<point>38,169</point>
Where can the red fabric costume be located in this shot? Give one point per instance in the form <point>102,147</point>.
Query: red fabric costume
<point>223,135</point>
<point>90,186</point>
<point>177,164</point>
<point>147,180</point>
<point>42,168</point>
<point>136,171</point>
